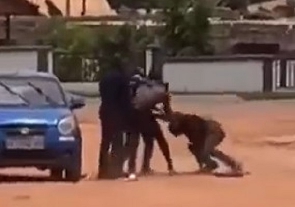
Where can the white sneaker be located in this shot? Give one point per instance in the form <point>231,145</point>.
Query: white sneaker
<point>131,177</point>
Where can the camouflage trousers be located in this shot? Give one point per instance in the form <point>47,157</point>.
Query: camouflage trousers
<point>204,153</point>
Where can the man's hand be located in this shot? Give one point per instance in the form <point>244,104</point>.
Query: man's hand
<point>161,116</point>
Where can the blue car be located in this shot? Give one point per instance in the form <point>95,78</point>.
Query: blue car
<point>37,125</point>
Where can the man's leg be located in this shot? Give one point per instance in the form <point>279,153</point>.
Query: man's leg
<point>195,151</point>
<point>148,153</point>
<point>164,147</point>
<point>228,160</point>
<point>117,155</point>
<point>211,142</point>
<point>132,147</point>
<point>202,153</point>
<point>106,138</point>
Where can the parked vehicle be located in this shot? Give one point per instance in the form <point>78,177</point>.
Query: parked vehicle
<point>37,125</point>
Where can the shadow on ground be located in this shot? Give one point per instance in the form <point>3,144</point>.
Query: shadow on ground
<point>6,178</point>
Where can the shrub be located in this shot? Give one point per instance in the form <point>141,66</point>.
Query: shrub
<point>186,26</point>
<point>83,54</point>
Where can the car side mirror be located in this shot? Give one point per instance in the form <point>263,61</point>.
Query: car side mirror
<point>75,102</point>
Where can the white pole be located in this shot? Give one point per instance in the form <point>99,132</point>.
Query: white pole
<point>148,61</point>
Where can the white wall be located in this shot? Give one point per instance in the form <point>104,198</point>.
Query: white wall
<point>50,61</point>
<point>220,76</point>
<point>11,61</point>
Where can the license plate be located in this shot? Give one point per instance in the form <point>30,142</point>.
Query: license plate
<point>25,143</point>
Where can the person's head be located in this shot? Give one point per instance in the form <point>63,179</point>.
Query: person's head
<point>176,123</point>
<point>118,65</point>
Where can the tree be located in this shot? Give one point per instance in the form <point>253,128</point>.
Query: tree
<point>71,39</point>
<point>121,48</point>
<point>198,26</point>
<point>174,25</point>
<point>72,44</point>
<point>186,25</point>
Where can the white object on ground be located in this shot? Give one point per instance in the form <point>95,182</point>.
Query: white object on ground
<point>131,177</point>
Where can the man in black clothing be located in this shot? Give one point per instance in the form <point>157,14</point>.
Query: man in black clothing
<point>149,128</point>
<point>115,115</point>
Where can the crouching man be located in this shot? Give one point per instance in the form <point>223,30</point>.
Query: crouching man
<point>204,136</point>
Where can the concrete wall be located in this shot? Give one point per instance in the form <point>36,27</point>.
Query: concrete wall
<point>214,76</point>
<point>26,58</point>
<point>14,61</point>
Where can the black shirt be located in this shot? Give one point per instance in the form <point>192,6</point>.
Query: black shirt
<point>114,90</point>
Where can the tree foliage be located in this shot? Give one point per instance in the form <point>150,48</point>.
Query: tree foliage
<point>185,31</point>
<point>73,38</point>
<point>186,25</point>
<point>105,48</point>
<point>70,42</point>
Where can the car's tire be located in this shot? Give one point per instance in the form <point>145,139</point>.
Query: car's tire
<point>73,173</point>
<point>56,173</point>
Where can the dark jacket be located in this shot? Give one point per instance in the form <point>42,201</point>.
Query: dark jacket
<point>114,89</point>
<point>192,126</point>
<point>115,97</point>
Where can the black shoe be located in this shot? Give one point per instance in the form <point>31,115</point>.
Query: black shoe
<point>210,166</point>
<point>147,171</point>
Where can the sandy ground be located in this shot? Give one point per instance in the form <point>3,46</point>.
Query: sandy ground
<point>250,126</point>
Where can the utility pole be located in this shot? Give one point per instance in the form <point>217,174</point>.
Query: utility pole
<point>68,8</point>
<point>83,8</point>
<point>7,27</point>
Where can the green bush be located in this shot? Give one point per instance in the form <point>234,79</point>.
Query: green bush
<point>72,45</point>
<point>121,48</point>
<point>85,53</point>
<point>186,26</point>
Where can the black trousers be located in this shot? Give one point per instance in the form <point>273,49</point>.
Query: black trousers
<point>150,130</point>
<point>111,154</point>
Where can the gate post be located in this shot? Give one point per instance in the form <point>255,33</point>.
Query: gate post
<point>283,73</point>
<point>154,60</point>
<point>267,75</point>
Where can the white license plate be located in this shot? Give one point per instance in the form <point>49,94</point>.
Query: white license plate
<point>25,143</point>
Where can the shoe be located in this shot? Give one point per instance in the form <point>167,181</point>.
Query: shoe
<point>131,177</point>
<point>147,172</point>
<point>172,172</point>
<point>210,165</point>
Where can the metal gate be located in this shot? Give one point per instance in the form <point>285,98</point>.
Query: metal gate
<point>84,67</point>
<point>283,74</point>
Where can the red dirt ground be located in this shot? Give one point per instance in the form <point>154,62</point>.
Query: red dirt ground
<point>271,182</point>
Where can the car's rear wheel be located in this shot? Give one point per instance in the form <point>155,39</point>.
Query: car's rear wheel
<point>56,173</point>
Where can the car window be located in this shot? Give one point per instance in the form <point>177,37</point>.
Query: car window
<point>7,98</point>
<point>50,88</point>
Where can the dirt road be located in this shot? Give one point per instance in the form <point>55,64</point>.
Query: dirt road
<point>249,126</point>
